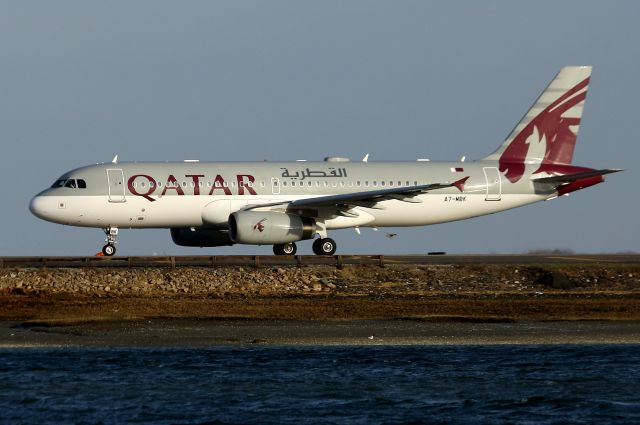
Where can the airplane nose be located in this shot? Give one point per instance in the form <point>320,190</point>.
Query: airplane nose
<point>40,206</point>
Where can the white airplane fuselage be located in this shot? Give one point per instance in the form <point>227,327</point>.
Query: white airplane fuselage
<point>164,195</point>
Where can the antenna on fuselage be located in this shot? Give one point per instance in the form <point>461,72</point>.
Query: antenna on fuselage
<point>115,159</point>
<point>366,158</point>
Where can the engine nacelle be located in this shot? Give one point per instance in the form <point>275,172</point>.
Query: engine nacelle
<point>194,236</point>
<point>266,228</point>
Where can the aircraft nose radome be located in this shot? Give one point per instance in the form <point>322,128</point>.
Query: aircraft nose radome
<point>40,207</point>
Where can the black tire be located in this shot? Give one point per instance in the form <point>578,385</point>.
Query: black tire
<point>109,250</point>
<point>285,249</point>
<point>316,247</point>
<point>324,246</point>
<point>290,248</point>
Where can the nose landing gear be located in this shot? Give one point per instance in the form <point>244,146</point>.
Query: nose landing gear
<point>112,234</point>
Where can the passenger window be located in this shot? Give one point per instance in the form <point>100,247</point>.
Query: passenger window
<point>82,184</point>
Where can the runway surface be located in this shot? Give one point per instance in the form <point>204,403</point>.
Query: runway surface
<point>308,260</point>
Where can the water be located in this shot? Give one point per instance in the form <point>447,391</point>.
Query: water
<point>361,385</point>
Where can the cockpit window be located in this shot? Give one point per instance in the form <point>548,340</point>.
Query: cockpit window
<point>70,183</point>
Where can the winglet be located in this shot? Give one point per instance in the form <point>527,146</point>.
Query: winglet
<point>460,183</point>
<point>114,160</point>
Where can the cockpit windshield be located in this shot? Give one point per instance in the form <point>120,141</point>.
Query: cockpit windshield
<point>71,183</point>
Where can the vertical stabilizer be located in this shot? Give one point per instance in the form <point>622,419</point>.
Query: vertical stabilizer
<point>546,135</point>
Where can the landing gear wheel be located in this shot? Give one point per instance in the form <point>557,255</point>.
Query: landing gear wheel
<point>285,249</point>
<point>108,250</point>
<point>324,246</point>
<point>112,234</point>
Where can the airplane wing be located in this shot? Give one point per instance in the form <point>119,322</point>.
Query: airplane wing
<point>369,199</point>
<point>568,178</point>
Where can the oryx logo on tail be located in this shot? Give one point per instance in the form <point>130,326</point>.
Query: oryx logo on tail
<point>546,135</point>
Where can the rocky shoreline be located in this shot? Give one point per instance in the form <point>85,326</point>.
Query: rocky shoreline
<point>434,292</point>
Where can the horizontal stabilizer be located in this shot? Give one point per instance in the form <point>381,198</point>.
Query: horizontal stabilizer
<point>568,178</point>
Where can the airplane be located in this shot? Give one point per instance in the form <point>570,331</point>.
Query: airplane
<point>211,204</point>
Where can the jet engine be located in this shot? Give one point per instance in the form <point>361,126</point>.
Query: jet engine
<point>202,237</point>
<point>265,228</point>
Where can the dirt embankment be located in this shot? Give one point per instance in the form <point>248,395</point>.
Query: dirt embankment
<point>356,292</point>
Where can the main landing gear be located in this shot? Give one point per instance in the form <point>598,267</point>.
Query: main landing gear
<point>110,248</point>
<point>324,246</point>
<point>285,248</point>
<point>321,246</point>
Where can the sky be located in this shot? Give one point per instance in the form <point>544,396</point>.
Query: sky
<point>82,81</point>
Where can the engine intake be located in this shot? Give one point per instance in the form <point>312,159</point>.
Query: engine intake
<point>266,228</point>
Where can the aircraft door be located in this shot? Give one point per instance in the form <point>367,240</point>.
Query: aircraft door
<point>115,180</point>
<point>275,186</point>
<point>494,184</point>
